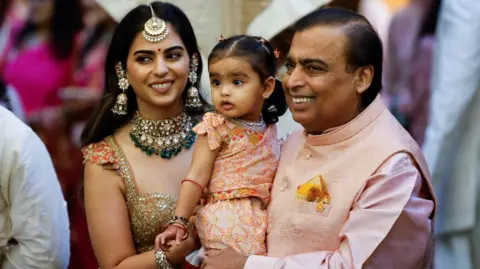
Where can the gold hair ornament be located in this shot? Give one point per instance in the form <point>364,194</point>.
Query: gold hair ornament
<point>155,29</point>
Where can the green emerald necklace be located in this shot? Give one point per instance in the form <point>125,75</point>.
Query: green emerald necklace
<point>165,138</point>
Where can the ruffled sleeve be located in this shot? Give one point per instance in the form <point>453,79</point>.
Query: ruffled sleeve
<point>101,153</point>
<point>213,123</point>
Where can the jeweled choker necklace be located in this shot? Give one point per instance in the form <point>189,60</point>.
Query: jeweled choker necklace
<point>255,126</point>
<point>165,138</point>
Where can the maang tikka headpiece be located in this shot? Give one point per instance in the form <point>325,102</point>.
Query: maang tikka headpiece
<point>155,29</point>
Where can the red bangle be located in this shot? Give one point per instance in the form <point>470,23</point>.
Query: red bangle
<point>185,230</point>
<point>180,226</point>
<point>194,182</point>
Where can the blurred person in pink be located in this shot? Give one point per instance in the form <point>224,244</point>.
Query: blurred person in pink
<point>79,100</point>
<point>10,12</point>
<point>65,122</point>
<point>93,43</point>
<point>452,142</point>
<point>408,64</point>
<point>352,189</point>
<point>38,58</point>
<point>5,7</point>
<point>8,95</point>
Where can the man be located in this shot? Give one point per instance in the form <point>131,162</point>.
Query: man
<point>452,144</point>
<point>352,189</point>
<point>34,230</point>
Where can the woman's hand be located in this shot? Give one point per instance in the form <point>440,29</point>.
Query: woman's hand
<point>224,259</point>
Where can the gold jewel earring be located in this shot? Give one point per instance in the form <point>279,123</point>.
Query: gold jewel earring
<point>193,102</point>
<point>120,107</point>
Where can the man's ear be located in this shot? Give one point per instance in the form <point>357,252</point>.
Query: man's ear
<point>363,78</point>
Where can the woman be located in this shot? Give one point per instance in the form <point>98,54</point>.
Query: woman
<point>4,25</point>
<point>138,141</point>
<point>79,99</point>
<point>43,45</point>
<point>62,124</point>
<point>8,95</point>
<point>94,41</point>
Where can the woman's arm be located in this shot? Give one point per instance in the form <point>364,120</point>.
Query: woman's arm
<point>109,224</point>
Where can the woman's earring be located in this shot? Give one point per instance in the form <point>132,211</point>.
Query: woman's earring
<point>193,102</point>
<point>120,107</point>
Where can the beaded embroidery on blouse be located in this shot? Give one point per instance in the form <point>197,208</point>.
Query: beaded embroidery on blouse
<point>149,212</point>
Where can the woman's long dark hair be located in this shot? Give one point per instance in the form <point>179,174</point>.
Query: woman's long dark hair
<point>260,54</point>
<point>102,122</point>
<point>65,24</point>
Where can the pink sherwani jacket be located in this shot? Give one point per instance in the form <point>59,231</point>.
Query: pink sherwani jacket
<point>381,206</point>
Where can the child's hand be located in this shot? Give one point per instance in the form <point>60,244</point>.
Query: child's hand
<point>171,233</point>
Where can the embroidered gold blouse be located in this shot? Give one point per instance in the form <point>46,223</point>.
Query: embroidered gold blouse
<point>149,212</point>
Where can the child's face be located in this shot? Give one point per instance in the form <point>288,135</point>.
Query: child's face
<point>237,91</point>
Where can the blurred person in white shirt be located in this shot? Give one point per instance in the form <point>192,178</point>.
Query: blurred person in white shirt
<point>34,228</point>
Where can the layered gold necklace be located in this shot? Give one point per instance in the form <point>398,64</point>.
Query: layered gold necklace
<point>165,138</point>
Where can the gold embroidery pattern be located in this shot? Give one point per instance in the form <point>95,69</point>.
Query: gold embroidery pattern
<point>149,212</point>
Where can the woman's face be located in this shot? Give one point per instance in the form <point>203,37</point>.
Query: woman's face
<point>158,73</point>
<point>41,11</point>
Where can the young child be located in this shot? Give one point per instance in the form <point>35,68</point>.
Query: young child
<point>236,153</point>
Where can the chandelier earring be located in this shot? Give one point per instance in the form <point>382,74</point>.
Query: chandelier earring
<point>193,102</point>
<point>120,107</point>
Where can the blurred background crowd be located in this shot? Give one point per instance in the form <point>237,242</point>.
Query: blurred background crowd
<point>52,55</point>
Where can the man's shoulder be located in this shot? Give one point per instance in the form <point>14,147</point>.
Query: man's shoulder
<point>15,135</point>
<point>13,127</point>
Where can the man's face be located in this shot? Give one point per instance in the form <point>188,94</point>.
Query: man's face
<point>320,90</point>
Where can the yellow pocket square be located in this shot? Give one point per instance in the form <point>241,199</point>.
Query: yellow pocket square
<point>314,190</point>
